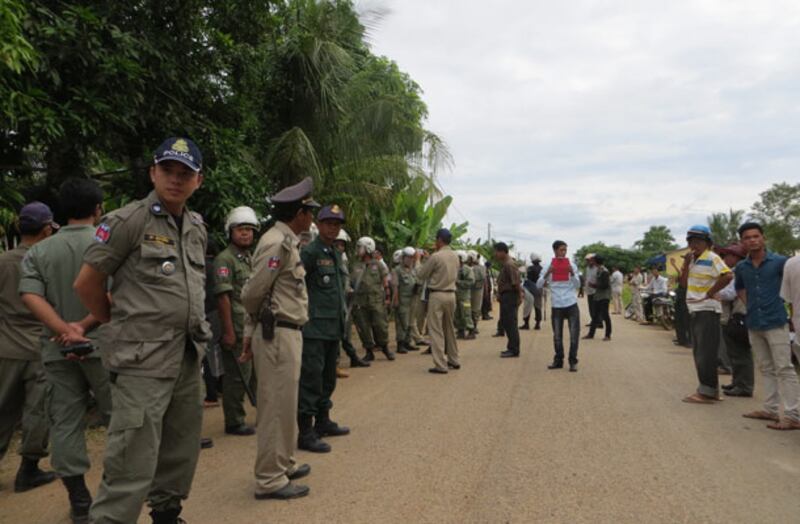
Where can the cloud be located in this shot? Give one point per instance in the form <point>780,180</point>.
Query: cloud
<point>594,120</point>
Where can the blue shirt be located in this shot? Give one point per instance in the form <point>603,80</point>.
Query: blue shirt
<point>765,309</point>
<point>562,294</point>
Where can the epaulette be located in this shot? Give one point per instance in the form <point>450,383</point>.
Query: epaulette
<point>125,212</point>
<point>197,218</point>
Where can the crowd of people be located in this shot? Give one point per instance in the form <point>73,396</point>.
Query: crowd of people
<point>130,314</point>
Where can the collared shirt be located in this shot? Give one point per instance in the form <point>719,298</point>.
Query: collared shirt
<point>19,329</point>
<point>731,303</point>
<point>790,288</point>
<point>616,282</point>
<point>232,268</point>
<point>704,272</point>
<point>441,270</point>
<point>563,293</point>
<point>765,308</point>
<point>591,278</point>
<point>509,279</point>
<point>658,286</point>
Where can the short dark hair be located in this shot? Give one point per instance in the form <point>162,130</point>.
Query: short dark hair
<point>558,243</point>
<point>599,259</point>
<point>501,246</point>
<point>747,226</point>
<point>285,212</point>
<point>79,197</point>
<point>30,230</point>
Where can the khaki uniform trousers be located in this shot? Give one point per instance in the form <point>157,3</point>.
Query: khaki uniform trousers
<point>418,318</point>
<point>233,387</point>
<point>67,399</point>
<point>22,395</point>
<point>441,310</point>
<point>277,364</point>
<point>153,443</point>
<point>476,302</point>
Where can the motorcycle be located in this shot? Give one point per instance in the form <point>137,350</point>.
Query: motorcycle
<point>663,309</point>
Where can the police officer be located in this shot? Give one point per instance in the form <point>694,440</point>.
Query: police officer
<point>464,285</point>
<point>341,246</point>
<point>232,268</point>
<point>476,294</point>
<point>441,272</point>
<point>48,270</point>
<point>325,281</point>
<point>404,285</point>
<point>155,251</point>
<point>276,301</point>
<point>22,380</point>
<point>370,283</point>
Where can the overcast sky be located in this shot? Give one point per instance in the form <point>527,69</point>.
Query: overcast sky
<point>592,120</point>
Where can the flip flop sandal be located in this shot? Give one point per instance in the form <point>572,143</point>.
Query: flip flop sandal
<point>785,425</point>
<point>696,398</point>
<point>762,415</point>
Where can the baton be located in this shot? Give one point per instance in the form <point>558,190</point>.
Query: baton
<point>249,392</point>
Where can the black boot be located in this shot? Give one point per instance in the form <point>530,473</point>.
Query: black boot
<point>80,500</point>
<point>527,323</point>
<point>356,362</point>
<point>308,438</point>
<point>389,354</point>
<point>538,325</point>
<point>167,516</point>
<point>401,348</point>
<point>369,356</point>
<point>325,427</point>
<point>471,335</point>
<point>460,334</point>
<point>29,476</point>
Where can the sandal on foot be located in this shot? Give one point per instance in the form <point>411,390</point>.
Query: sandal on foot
<point>697,398</point>
<point>785,424</point>
<point>762,415</point>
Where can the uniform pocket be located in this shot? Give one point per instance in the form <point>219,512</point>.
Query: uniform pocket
<point>126,418</point>
<point>159,262</point>
<point>142,346</point>
<point>128,454</point>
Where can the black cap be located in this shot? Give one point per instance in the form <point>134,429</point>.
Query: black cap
<point>333,212</point>
<point>181,150</point>
<point>300,192</point>
<point>444,235</point>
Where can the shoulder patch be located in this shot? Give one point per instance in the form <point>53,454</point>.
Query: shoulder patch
<point>274,263</point>
<point>103,233</point>
<point>223,272</point>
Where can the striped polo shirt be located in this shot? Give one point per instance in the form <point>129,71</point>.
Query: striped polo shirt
<point>703,274</point>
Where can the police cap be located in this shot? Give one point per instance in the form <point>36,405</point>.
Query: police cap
<point>300,192</point>
<point>333,212</point>
<point>181,150</point>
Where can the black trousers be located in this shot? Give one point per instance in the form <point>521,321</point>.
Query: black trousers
<point>317,376</point>
<point>509,311</point>
<point>602,317</point>
<point>683,331</point>
<point>594,319</point>
<point>705,346</point>
<point>741,361</point>
<point>573,317</point>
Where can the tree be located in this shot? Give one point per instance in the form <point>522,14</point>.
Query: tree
<point>657,240</point>
<point>724,226</point>
<point>778,210</point>
<point>614,256</point>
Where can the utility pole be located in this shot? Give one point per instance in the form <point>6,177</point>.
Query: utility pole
<point>489,233</point>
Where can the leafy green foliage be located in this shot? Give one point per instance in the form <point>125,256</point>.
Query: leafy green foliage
<point>724,226</point>
<point>656,240</point>
<point>614,256</point>
<point>778,210</point>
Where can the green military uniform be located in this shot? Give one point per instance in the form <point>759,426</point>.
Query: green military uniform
<point>464,285</point>
<point>476,302</point>
<point>232,268</point>
<point>48,270</point>
<point>405,282</point>
<point>369,306</point>
<point>325,280</point>
<point>159,332</point>
<point>22,380</point>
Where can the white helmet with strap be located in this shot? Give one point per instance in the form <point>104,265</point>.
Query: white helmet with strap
<point>240,216</point>
<point>396,256</point>
<point>409,251</point>
<point>343,236</point>
<point>365,245</point>
<point>462,255</point>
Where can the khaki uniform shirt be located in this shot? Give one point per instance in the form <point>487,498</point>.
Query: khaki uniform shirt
<point>441,270</point>
<point>158,287</point>
<point>367,279</point>
<point>480,275</point>
<point>48,270</point>
<point>466,279</point>
<point>404,280</point>
<point>509,279</point>
<point>232,268</point>
<point>19,329</point>
<point>277,269</point>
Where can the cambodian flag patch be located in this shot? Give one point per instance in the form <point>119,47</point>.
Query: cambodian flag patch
<point>223,272</point>
<point>274,263</point>
<point>103,233</point>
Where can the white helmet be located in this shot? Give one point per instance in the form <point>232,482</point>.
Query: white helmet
<point>240,216</point>
<point>462,255</point>
<point>409,251</point>
<point>396,256</point>
<point>365,245</point>
<point>473,256</point>
<point>535,257</point>
<point>343,236</point>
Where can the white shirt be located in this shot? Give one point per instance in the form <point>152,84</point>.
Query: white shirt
<point>616,282</point>
<point>658,286</point>
<point>562,294</point>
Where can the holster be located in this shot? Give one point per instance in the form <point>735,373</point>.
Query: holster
<point>267,320</point>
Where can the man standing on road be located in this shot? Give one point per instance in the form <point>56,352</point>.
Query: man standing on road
<point>232,268</point>
<point>476,294</point>
<point>734,330</point>
<point>276,301</point>
<point>509,292</point>
<point>617,280</point>
<point>637,283</point>
<point>589,288</point>
<point>370,285</point>
<point>404,283</point>
<point>441,272</point>
<point>561,276</point>
<point>758,281</point>
<point>48,271</point>
<point>325,279</point>
<point>22,378</point>
<point>347,346</point>
<point>156,336</point>
<point>465,328</point>
<point>704,274</point>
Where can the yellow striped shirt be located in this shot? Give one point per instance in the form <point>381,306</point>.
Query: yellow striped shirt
<point>703,274</point>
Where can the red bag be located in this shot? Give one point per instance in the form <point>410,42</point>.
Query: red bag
<point>560,269</point>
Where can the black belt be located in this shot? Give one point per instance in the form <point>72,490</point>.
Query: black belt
<point>442,290</point>
<point>288,325</point>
